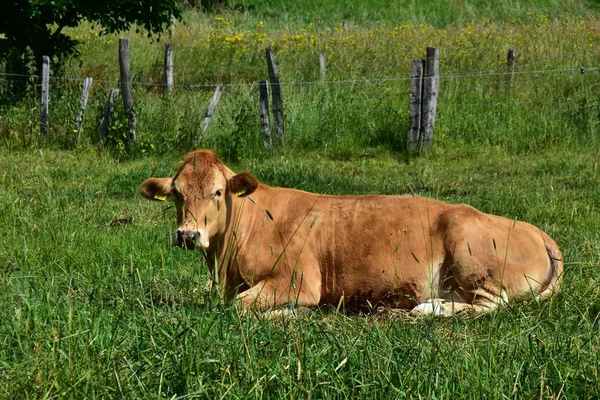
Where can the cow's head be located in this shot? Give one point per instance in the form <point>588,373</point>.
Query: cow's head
<point>202,189</point>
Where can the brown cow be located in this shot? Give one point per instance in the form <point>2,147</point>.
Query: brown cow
<point>275,247</point>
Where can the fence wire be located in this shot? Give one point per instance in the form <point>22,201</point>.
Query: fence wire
<point>467,104</point>
<point>26,77</point>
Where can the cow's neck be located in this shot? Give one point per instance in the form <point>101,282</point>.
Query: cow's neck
<point>240,213</point>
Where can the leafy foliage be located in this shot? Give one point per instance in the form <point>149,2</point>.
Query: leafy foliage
<point>38,24</point>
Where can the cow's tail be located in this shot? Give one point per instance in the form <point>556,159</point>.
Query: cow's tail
<point>555,270</point>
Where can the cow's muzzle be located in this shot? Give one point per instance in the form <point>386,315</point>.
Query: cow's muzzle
<point>185,239</point>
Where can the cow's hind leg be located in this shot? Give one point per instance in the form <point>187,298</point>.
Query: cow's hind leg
<point>445,308</point>
<point>483,302</point>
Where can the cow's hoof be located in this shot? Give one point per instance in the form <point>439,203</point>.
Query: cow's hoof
<point>286,313</point>
<point>437,307</point>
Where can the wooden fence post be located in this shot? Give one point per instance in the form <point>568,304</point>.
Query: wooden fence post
<point>87,85</point>
<point>431,85</point>
<point>108,110</point>
<point>126,89</point>
<point>168,68</point>
<point>510,61</point>
<point>322,65</point>
<point>208,114</point>
<point>277,98</point>
<point>44,99</point>
<point>415,104</point>
<point>264,114</point>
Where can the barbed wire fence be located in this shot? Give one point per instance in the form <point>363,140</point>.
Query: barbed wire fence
<point>475,103</point>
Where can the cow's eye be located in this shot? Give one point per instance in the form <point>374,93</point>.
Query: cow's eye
<point>217,194</point>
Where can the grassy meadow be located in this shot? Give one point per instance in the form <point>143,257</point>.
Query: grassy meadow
<point>96,303</point>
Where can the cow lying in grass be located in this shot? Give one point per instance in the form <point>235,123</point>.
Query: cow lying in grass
<point>273,247</point>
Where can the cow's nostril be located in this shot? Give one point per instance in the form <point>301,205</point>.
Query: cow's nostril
<point>188,235</point>
<point>186,238</point>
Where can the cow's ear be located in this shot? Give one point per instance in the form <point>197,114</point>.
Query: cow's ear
<point>156,188</point>
<point>242,184</point>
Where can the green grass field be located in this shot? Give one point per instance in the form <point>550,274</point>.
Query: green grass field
<point>96,303</point>
<point>92,308</point>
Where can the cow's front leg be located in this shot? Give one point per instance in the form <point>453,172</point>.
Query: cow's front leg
<point>271,294</point>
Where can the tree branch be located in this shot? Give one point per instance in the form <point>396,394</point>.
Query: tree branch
<point>64,22</point>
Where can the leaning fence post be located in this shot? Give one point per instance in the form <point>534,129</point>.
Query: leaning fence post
<point>277,97</point>
<point>208,114</point>
<point>264,114</point>
<point>87,85</point>
<point>168,68</point>
<point>415,104</point>
<point>430,97</point>
<point>44,99</point>
<point>108,110</point>
<point>126,88</point>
